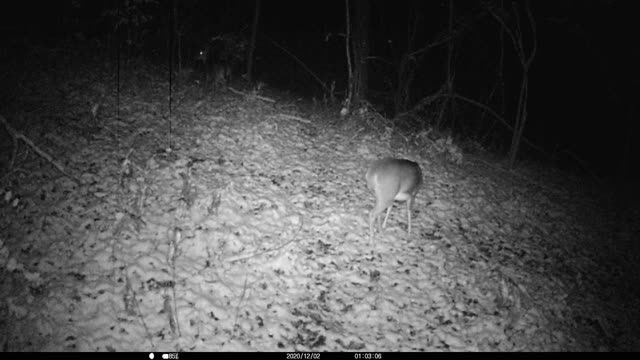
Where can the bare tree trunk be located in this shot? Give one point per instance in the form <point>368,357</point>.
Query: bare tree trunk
<point>405,74</point>
<point>408,62</point>
<point>499,86</point>
<point>450,46</point>
<point>178,35</point>
<point>358,47</point>
<point>501,81</point>
<point>347,41</point>
<point>252,43</point>
<point>363,13</point>
<point>517,37</point>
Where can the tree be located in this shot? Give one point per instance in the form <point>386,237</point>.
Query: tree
<point>252,42</point>
<point>357,48</point>
<point>516,33</point>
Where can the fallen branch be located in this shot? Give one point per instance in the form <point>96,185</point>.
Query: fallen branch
<point>296,118</point>
<point>263,98</point>
<point>18,135</point>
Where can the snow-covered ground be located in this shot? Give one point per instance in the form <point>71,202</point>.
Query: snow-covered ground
<point>251,235</point>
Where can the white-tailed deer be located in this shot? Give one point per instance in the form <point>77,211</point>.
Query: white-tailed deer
<point>392,180</point>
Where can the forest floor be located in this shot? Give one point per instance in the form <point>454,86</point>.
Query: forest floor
<point>233,223</point>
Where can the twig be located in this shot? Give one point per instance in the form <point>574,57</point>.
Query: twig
<point>139,313</point>
<point>235,320</point>
<point>245,257</point>
<point>171,257</point>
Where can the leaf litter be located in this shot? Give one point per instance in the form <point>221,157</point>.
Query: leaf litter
<point>251,235</point>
